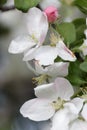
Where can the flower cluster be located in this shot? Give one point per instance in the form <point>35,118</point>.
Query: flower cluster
<point>50,58</point>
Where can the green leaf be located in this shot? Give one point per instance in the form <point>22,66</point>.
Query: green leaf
<point>67,31</point>
<point>75,46</point>
<point>78,22</point>
<point>2,2</point>
<point>80,32</point>
<point>76,75</point>
<point>83,66</point>
<point>80,25</point>
<point>24,5</point>
<point>82,5</point>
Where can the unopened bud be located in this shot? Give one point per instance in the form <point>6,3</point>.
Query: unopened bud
<point>52,13</point>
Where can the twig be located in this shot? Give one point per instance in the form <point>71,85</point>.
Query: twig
<point>5,8</point>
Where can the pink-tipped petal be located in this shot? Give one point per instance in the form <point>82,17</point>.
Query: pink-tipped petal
<point>64,52</point>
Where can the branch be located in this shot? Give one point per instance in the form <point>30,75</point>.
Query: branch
<point>3,9</point>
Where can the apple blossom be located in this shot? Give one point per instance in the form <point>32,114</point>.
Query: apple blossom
<point>52,13</point>
<point>83,47</point>
<point>54,70</point>
<point>64,117</point>
<point>47,74</point>
<point>50,98</point>
<point>37,25</point>
<point>78,125</point>
<point>84,112</point>
<point>45,55</point>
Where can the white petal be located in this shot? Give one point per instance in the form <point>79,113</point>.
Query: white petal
<point>54,70</point>
<point>78,125</point>
<point>31,67</point>
<point>21,44</point>
<point>60,120</point>
<point>64,52</point>
<point>46,55</point>
<point>78,102</point>
<point>64,88</point>
<point>83,47</point>
<point>58,69</point>
<point>37,24</point>
<point>46,91</point>
<point>39,69</point>
<point>37,109</point>
<point>72,111</point>
<point>86,33</point>
<point>84,112</point>
<point>30,54</point>
<point>46,3</point>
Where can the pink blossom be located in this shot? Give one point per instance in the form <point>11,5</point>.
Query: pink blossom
<point>52,13</point>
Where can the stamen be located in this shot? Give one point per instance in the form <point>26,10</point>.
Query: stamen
<point>53,39</point>
<point>84,92</point>
<point>34,38</point>
<point>58,104</point>
<point>41,79</point>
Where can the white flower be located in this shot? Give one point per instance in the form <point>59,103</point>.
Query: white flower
<point>54,70</point>
<point>83,47</point>
<point>50,97</point>
<point>84,112</point>
<point>46,54</point>
<point>37,25</point>
<point>78,125</point>
<point>46,3</point>
<point>64,117</point>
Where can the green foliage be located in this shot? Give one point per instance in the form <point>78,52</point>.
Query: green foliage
<point>80,26</point>
<point>79,21</point>
<point>76,75</point>
<point>24,5</point>
<point>83,66</point>
<point>2,2</point>
<point>67,31</point>
<point>82,5</point>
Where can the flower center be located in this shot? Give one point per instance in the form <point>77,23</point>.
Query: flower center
<point>53,39</point>
<point>58,104</point>
<point>41,79</point>
<point>34,38</point>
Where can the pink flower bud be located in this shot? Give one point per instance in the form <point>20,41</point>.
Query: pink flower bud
<point>52,13</point>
